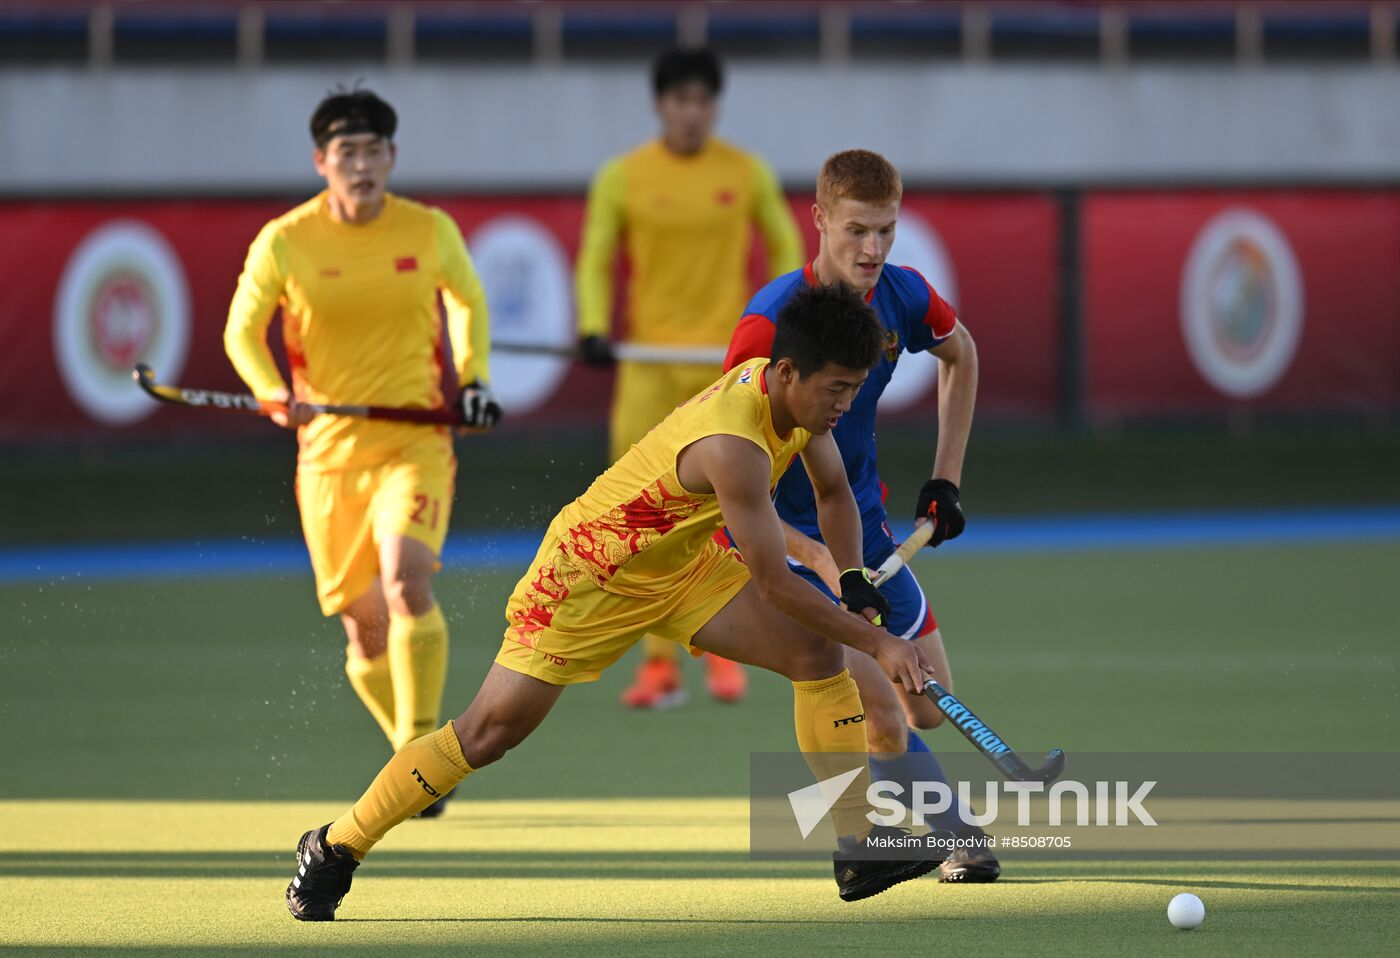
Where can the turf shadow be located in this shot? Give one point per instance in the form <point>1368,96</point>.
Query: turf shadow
<point>530,919</point>
<point>531,864</point>
<point>1203,883</point>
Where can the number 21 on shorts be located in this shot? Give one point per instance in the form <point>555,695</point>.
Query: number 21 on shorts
<point>421,504</point>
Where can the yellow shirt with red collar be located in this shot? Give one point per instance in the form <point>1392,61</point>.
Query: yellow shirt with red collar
<point>688,223</point>
<point>638,534</point>
<point>360,321</point>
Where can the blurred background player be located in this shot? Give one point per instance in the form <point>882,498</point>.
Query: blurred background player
<point>636,554</point>
<point>357,272</point>
<point>858,197</point>
<point>687,203</point>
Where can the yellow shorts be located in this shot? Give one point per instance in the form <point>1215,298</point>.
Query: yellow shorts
<point>646,393</point>
<point>565,629</point>
<point>347,513</point>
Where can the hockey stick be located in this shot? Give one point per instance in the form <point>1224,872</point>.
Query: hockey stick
<point>243,402</point>
<point>976,731</point>
<point>916,541</point>
<point>625,352</point>
<point>990,744</point>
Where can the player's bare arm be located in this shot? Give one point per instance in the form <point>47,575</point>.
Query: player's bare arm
<point>812,554</point>
<point>957,395</point>
<point>838,516</point>
<point>837,513</point>
<point>737,472</point>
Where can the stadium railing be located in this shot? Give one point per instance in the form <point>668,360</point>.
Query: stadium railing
<point>252,32</point>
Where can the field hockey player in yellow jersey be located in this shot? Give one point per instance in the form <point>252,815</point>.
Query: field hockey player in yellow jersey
<point>636,554</point>
<point>357,273</point>
<point>686,205</point>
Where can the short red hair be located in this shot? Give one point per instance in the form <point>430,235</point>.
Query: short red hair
<point>859,175</point>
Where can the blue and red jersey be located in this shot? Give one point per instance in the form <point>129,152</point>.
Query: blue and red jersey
<point>915,318</point>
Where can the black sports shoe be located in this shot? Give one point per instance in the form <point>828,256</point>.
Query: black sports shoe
<point>970,864</point>
<point>858,877</point>
<point>323,877</point>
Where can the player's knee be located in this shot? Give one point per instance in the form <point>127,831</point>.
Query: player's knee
<point>923,714</point>
<point>486,742</point>
<point>886,729</point>
<point>367,636</point>
<point>366,645</point>
<point>926,722</point>
<point>813,661</point>
<point>409,593</point>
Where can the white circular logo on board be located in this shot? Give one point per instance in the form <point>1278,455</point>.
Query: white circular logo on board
<point>1241,303</point>
<point>122,300</point>
<point>526,276</point>
<point>918,244</point>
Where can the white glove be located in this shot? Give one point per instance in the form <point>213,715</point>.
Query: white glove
<point>480,407</point>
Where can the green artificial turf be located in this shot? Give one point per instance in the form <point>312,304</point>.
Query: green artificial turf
<point>152,490</point>
<point>164,742</point>
<point>618,877</point>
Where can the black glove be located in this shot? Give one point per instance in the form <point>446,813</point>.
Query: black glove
<point>596,351</point>
<point>859,593</point>
<point>938,502</point>
<point>480,407</point>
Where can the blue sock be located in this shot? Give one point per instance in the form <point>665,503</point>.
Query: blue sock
<point>917,764</point>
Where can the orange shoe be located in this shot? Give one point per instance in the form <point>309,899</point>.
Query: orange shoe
<point>658,686</point>
<point>727,679</point>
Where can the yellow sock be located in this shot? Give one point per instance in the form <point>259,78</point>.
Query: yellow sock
<point>370,680</point>
<point>655,648</point>
<point>415,777</point>
<point>418,667</point>
<point>829,717</point>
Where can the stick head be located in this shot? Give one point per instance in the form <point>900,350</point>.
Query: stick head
<point>1016,770</point>
<point>1052,769</point>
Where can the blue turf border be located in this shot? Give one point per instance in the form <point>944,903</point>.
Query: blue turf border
<point>508,549</point>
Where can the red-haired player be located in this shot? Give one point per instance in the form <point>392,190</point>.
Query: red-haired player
<point>858,197</point>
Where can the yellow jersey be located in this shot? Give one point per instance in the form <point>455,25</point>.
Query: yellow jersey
<point>360,321</point>
<point>637,530</point>
<point>688,222</point>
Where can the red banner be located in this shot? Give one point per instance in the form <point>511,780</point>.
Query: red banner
<point>1005,256</point>
<point>90,288</point>
<point>1206,301</point>
<point>87,289</point>
<point>1197,301</point>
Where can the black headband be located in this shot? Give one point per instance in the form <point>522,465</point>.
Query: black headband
<point>349,126</point>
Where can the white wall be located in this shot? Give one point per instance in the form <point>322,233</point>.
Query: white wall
<point>194,130</point>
